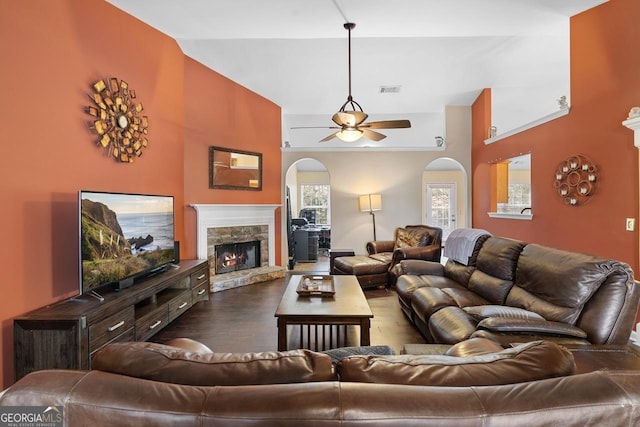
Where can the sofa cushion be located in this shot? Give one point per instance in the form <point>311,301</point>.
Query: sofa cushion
<point>492,288</point>
<point>410,237</point>
<point>498,257</point>
<point>164,363</point>
<point>426,301</point>
<point>531,361</point>
<point>558,293</point>
<point>458,272</point>
<point>383,258</point>
<point>450,325</point>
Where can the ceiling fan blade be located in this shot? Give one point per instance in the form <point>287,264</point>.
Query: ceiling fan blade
<point>387,124</point>
<point>349,118</point>
<point>328,138</point>
<point>372,135</point>
<point>315,127</point>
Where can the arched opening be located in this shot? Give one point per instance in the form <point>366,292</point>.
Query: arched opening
<point>308,211</point>
<point>445,203</point>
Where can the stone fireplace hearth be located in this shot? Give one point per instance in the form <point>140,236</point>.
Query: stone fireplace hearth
<point>230,224</point>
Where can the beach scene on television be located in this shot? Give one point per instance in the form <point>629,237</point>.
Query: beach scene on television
<point>124,235</point>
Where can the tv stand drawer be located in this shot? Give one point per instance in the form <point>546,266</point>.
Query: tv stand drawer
<point>107,329</point>
<point>150,324</point>
<point>179,305</point>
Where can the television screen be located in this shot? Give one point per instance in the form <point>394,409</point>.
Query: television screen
<point>123,236</point>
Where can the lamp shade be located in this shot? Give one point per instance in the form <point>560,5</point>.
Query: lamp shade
<point>370,202</point>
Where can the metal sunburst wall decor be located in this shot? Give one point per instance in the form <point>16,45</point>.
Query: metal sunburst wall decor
<point>122,129</point>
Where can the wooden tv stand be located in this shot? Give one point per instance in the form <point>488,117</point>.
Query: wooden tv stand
<point>66,334</point>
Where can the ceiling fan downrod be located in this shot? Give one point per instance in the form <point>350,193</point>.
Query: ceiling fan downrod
<point>350,26</point>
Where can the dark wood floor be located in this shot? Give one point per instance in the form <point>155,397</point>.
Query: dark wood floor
<point>242,320</point>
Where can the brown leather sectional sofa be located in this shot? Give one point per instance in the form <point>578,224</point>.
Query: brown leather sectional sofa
<point>475,384</point>
<point>511,291</point>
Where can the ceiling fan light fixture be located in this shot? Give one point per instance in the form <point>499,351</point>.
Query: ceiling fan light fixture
<point>349,135</point>
<point>350,118</point>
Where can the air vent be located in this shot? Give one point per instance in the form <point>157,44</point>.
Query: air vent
<point>389,89</point>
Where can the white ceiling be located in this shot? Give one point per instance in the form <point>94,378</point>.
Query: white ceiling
<point>439,52</point>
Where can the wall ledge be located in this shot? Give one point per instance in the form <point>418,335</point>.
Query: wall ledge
<point>541,120</point>
<point>525,217</point>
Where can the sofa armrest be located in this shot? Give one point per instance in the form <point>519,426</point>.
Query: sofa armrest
<point>378,246</point>
<point>427,253</point>
<point>530,326</point>
<point>418,267</point>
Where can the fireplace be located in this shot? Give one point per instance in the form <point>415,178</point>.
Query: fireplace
<point>236,256</point>
<point>233,224</point>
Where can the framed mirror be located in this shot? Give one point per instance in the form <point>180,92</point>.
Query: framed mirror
<point>234,169</point>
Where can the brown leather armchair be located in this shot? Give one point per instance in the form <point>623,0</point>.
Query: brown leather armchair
<point>411,242</point>
<point>377,268</point>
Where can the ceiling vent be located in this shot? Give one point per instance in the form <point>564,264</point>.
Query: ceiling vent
<point>389,89</point>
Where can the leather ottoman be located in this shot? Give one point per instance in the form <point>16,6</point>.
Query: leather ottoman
<point>369,272</point>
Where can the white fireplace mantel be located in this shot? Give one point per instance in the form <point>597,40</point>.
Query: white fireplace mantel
<point>211,216</point>
<point>634,125</point>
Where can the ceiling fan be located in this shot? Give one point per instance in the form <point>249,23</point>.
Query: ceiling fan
<point>350,118</point>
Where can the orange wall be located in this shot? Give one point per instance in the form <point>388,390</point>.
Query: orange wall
<point>605,60</point>
<point>52,51</point>
<point>226,115</point>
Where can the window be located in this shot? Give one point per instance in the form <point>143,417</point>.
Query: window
<point>316,197</point>
<point>520,194</point>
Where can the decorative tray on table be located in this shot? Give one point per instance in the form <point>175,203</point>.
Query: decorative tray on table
<point>316,286</point>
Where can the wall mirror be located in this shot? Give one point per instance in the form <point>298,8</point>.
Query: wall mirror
<point>511,187</point>
<point>234,169</point>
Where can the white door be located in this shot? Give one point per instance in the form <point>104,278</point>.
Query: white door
<point>440,207</point>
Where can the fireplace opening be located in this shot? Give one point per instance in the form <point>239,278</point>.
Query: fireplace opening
<point>237,256</point>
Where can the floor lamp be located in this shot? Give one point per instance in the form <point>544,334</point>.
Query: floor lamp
<point>371,203</point>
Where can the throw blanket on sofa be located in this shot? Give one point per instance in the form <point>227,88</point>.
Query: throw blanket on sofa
<point>460,243</point>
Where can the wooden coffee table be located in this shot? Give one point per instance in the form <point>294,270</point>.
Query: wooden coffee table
<point>324,319</point>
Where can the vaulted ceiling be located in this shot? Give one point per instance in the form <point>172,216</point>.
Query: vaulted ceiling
<point>435,52</point>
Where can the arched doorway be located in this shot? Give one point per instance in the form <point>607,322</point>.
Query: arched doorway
<point>445,201</point>
<point>307,190</point>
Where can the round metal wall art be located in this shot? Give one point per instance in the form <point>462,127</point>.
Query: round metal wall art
<point>117,119</point>
<point>575,180</point>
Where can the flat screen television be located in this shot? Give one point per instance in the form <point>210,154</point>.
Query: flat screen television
<point>123,237</point>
